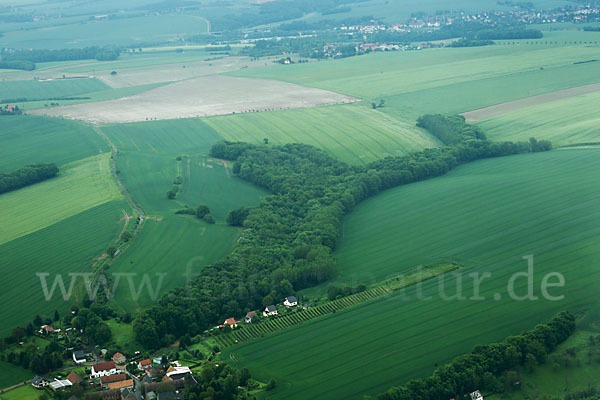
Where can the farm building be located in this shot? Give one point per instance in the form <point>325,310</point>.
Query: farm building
<point>39,382</point>
<point>270,310</point>
<point>231,322</point>
<point>103,369</point>
<point>249,316</point>
<point>290,301</point>
<point>144,363</point>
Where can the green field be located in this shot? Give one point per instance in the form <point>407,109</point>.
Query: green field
<point>123,336</point>
<point>80,185</point>
<point>564,122</point>
<point>169,243</point>
<point>352,133</point>
<point>26,392</point>
<point>174,246</point>
<point>36,90</point>
<point>69,246</point>
<point>486,216</point>
<point>31,140</point>
<point>11,375</point>
<point>120,31</point>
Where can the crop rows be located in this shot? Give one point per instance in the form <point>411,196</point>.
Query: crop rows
<point>248,332</point>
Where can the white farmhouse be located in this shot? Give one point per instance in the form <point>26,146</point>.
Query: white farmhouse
<point>291,301</point>
<point>103,369</point>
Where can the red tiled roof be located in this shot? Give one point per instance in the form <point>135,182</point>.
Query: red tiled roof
<point>112,378</point>
<point>104,366</point>
<point>230,321</point>
<point>122,384</point>
<point>145,362</point>
<point>117,355</point>
<point>74,378</point>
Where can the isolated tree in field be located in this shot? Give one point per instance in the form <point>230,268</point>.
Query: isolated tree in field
<point>271,385</point>
<point>209,219</point>
<point>56,316</point>
<point>266,140</point>
<point>113,73</point>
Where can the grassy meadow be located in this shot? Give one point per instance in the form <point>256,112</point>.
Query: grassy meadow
<point>80,186</point>
<point>485,216</point>
<point>26,392</point>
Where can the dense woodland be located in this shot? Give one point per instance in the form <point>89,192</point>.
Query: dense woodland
<point>27,176</point>
<point>488,367</point>
<point>289,238</point>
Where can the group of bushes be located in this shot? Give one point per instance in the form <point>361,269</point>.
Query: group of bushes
<point>202,212</point>
<point>27,176</point>
<point>289,238</point>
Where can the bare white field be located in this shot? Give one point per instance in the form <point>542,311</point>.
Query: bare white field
<point>200,97</point>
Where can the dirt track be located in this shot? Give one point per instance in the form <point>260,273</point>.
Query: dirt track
<point>498,109</point>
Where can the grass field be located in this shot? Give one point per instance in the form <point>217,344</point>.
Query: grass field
<point>80,185</point>
<point>352,133</point>
<point>70,245</point>
<point>563,122</point>
<point>31,140</point>
<point>35,90</point>
<point>26,392</point>
<point>123,336</point>
<point>485,216</point>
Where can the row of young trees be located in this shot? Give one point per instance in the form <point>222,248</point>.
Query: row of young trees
<point>26,176</point>
<point>483,368</point>
<point>289,238</point>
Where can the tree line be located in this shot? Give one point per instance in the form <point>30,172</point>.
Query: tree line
<point>26,59</point>
<point>488,367</point>
<point>288,240</point>
<point>26,176</point>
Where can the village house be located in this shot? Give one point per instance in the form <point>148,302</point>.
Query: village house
<point>79,357</point>
<point>249,316</point>
<point>47,329</point>
<point>39,382</point>
<point>119,358</point>
<point>270,310</point>
<point>144,364</point>
<point>103,369</point>
<point>231,322</point>
<point>121,385</point>
<point>74,378</point>
<point>290,301</point>
<point>176,373</point>
<point>105,381</point>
